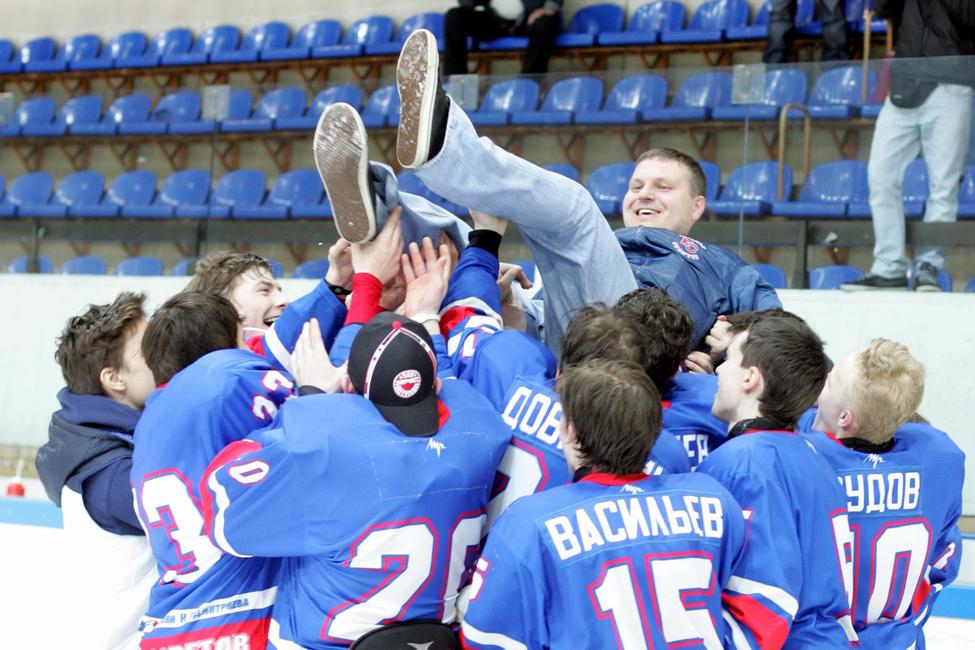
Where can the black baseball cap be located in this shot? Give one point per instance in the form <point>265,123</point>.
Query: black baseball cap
<point>392,364</point>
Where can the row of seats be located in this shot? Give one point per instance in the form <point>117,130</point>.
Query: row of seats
<point>834,190</point>
<point>595,25</point>
<point>837,94</point>
<point>823,277</point>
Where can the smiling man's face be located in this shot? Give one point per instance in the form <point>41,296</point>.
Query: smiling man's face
<point>258,299</point>
<point>660,195</point>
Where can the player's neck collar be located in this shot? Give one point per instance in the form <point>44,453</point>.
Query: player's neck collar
<point>865,446</point>
<point>602,477</point>
<point>760,423</point>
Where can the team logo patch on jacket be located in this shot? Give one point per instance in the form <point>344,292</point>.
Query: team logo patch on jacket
<point>689,248</point>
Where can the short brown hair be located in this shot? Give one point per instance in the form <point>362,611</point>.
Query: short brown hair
<point>887,391</point>
<point>615,410</point>
<point>95,340</point>
<point>217,272</point>
<point>699,182</point>
<point>667,332</point>
<point>596,332</point>
<point>790,357</point>
<point>188,326</point>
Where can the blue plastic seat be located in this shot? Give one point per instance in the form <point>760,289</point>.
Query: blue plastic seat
<point>130,114</point>
<point>838,93</point>
<point>646,23</point>
<point>276,268</point>
<point>184,267</point>
<point>627,99</point>
<point>92,56</point>
<point>608,185</point>
<point>301,192</point>
<point>121,47</point>
<point>382,108</point>
<point>181,111</point>
<point>85,265</point>
<point>569,171</point>
<point>433,21</point>
<point>221,38</point>
<point>317,33</point>
<point>76,48</point>
<point>168,107</point>
<point>279,103</point>
<point>239,108</point>
<point>916,190</point>
<point>7,209</point>
<point>782,86</point>
<point>79,195</point>
<point>854,17</point>
<point>588,22</point>
<point>970,286</point>
<point>19,265</point>
<point>34,116</point>
<point>267,36</point>
<point>311,270</point>
<point>177,40</point>
<point>134,193</point>
<point>694,100</point>
<point>756,31</point>
<point>367,31</point>
<point>712,175</point>
<point>710,21</point>
<point>9,64</point>
<point>751,188</point>
<point>128,108</point>
<point>832,276</point>
<point>143,265</point>
<point>564,100</point>
<point>966,195</point>
<point>30,192</point>
<point>237,192</point>
<point>504,98</point>
<point>83,115</point>
<point>346,93</point>
<point>187,193</point>
<point>773,275</point>
<point>36,52</point>
<point>830,188</point>
<point>806,22</point>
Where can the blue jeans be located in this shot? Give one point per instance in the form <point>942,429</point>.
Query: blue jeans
<point>574,247</point>
<point>937,129</point>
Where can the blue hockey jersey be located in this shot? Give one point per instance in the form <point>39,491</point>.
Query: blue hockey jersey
<point>377,526</point>
<point>709,280</point>
<point>793,577</point>
<point>687,415</point>
<point>608,562</point>
<point>203,594</point>
<point>904,506</point>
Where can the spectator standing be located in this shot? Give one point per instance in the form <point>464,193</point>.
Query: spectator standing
<point>782,22</point>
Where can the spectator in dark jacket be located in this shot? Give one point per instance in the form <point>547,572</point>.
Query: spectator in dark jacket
<point>539,20</point>
<point>927,112</point>
<point>782,20</point>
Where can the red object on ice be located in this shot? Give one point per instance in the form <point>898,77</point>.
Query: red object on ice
<point>15,489</point>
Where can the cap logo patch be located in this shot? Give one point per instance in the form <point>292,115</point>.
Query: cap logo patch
<point>406,384</point>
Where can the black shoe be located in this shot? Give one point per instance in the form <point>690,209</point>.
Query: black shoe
<point>342,162</point>
<point>871,282</point>
<point>423,102</point>
<point>926,278</point>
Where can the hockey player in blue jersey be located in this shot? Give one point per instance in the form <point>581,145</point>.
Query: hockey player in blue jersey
<point>903,486</point>
<point>376,496</point>
<point>616,558</point>
<point>792,581</point>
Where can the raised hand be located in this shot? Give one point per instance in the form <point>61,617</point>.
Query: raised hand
<point>310,364</point>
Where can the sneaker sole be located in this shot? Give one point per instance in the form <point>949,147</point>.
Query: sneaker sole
<point>416,80</point>
<point>855,287</point>
<point>340,156</point>
<point>927,288</point>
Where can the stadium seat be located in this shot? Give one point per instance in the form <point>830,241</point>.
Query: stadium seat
<point>276,269</point>
<point>970,286</point>
<point>751,188</point>
<point>82,115</point>
<point>504,98</point>
<point>564,99</point>
<point>608,185</point>
<point>184,267</point>
<point>84,47</point>
<point>128,45</point>
<point>409,183</point>
<point>758,30</point>
<point>712,174</point>
<point>367,31</point>
<point>142,265</point>
<point>20,264</point>
<point>302,192</point>
<point>187,192</point>
<point>36,52</point>
<point>709,22</point>
<point>317,33</point>
<point>646,23</point>
<point>773,275</point>
<point>286,102</point>
<point>832,276</point>
<point>349,94</point>
<point>311,270</point>
<point>433,21</point>
<point>916,189</point>
<point>79,195</point>
<point>9,64</point>
<point>827,192</point>
<point>945,282</point>
<point>781,87</point>
<point>267,36</point>
<point>966,195</point>
<point>29,192</point>
<point>7,209</point>
<point>37,112</point>
<point>589,21</point>
<point>694,100</point>
<point>239,108</point>
<point>183,109</point>
<point>178,40</point>
<point>130,112</point>
<point>838,93</point>
<point>134,193</point>
<point>220,38</point>
<point>627,99</point>
<point>382,108</point>
<point>237,192</point>
<point>85,265</point>
<point>566,170</point>
<point>156,122</point>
